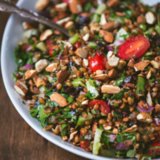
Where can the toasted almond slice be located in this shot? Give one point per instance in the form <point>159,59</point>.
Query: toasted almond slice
<point>82,52</point>
<point>100,77</point>
<point>51,67</point>
<point>109,25</point>
<point>69,25</point>
<point>41,64</point>
<point>59,99</point>
<point>30,73</point>
<point>75,6</point>
<point>110,89</point>
<point>155,64</point>
<point>39,81</point>
<point>112,3</point>
<point>108,36</point>
<point>61,6</point>
<point>47,33</point>
<point>144,117</point>
<point>64,20</point>
<point>62,76</point>
<point>41,5</point>
<point>140,66</point>
<point>21,88</point>
<point>131,129</point>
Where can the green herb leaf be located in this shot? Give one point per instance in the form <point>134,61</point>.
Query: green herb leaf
<point>96,143</point>
<point>78,82</point>
<point>91,87</point>
<point>131,153</point>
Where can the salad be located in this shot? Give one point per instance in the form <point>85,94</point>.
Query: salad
<point>100,88</point>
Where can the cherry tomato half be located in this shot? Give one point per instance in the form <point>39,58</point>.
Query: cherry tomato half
<point>154,150</point>
<point>51,47</point>
<point>134,47</point>
<point>97,62</point>
<point>85,145</point>
<point>104,107</point>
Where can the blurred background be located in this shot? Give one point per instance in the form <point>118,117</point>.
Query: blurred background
<point>18,141</point>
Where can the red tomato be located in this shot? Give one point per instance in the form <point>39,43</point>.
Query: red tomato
<point>66,1</point>
<point>134,47</point>
<point>97,62</point>
<point>77,44</point>
<point>51,47</point>
<point>85,145</point>
<point>104,107</point>
<point>154,150</point>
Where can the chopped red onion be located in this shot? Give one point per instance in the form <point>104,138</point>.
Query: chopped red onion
<point>112,137</point>
<point>141,109</point>
<point>124,145</point>
<point>28,66</point>
<point>110,48</point>
<point>157,121</point>
<point>118,42</point>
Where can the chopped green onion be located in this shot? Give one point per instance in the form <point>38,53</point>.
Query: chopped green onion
<point>91,87</point>
<point>74,39</point>
<point>140,87</point>
<point>92,45</point>
<point>78,82</point>
<point>120,80</point>
<point>41,46</point>
<point>96,143</point>
<point>101,8</point>
<point>96,18</point>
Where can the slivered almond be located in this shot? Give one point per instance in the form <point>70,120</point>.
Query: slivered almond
<point>59,99</point>
<point>47,33</point>
<point>140,66</point>
<point>51,67</point>
<point>30,73</point>
<point>41,5</point>
<point>110,89</point>
<point>21,88</point>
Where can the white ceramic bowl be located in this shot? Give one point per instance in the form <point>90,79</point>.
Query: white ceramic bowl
<point>12,34</point>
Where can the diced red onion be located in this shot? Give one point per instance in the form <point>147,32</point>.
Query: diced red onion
<point>124,145</point>
<point>112,137</point>
<point>157,121</point>
<point>141,109</point>
<point>28,66</point>
<point>110,48</point>
<point>118,42</point>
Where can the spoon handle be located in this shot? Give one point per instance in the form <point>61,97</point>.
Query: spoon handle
<point>11,8</point>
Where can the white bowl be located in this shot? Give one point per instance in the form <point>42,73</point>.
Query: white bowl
<point>12,34</point>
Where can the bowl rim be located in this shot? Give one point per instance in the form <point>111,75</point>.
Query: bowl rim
<point>27,119</point>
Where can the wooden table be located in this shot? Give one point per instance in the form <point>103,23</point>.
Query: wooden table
<point>18,141</point>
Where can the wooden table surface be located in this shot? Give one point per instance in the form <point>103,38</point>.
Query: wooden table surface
<point>18,141</point>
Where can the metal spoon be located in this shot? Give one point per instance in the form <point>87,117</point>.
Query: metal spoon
<point>11,8</point>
